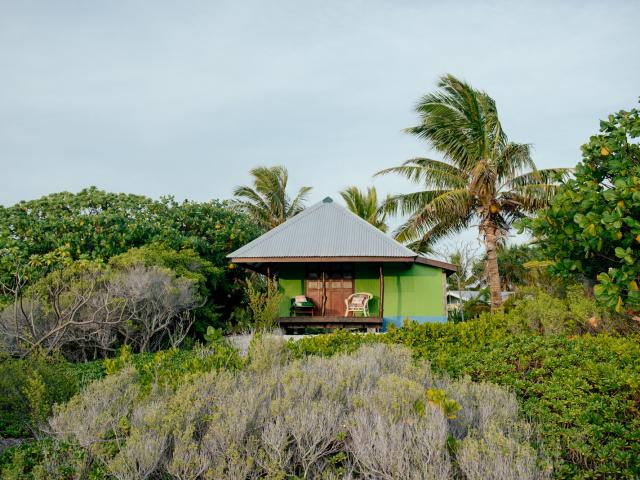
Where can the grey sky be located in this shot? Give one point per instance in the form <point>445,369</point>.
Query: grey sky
<point>184,98</point>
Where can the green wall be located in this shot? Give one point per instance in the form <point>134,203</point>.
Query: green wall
<point>413,290</point>
<point>367,280</point>
<point>291,283</point>
<point>416,291</point>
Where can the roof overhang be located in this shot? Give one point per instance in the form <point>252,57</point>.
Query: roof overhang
<point>448,267</point>
<point>320,259</point>
<point>255,263</point>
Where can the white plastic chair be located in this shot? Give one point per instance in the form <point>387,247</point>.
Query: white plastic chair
<point>358,302</point>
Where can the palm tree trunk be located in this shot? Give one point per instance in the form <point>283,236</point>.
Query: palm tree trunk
<point>491,245</point>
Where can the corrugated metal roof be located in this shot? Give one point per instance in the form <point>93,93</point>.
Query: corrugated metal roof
<point>323,230</point>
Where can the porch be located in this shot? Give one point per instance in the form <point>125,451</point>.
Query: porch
<point>299,324</point>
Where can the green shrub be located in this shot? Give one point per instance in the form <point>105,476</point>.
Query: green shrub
<point>583,392</point>
<point>536,311</point>
<point>28,390</point>
<point>170,368</point>
<point>30,387</point>
<point>264,303</point>
<point>47,459</point>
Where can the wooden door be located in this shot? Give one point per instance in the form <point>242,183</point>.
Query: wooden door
<point>314,291</point>
<point>338,285</point>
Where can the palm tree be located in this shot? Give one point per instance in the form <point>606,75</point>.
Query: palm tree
<point>483,179</point>
<point>366,205</point>
<point>267,201</point>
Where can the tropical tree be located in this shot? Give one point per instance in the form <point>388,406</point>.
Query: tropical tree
<point>483,179</point>
<point>366,205</point>
<point>591,230</point>
<point>267,201</point>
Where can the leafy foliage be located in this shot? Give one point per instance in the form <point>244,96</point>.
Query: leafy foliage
<point>23,407</point>
<point>38,235</point>
<point>534,310</point>
<point>592,228</point>
<point>45,458</point>
<point>28,391</point>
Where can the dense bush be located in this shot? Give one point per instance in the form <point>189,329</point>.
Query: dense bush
<point>534,310</point>
<point>373,414</point>
<point>85,309</point>
<point>29,389</point>
<point>46,459</point>
<point>582,391</point>
<point>36,235</point>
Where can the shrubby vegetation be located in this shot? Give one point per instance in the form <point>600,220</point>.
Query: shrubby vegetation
<point>579,391</point>
<point>373,414</point>
<point>264,303</point>
<point>31,387</point>
<point>85,309</point>
<point>28,391</point>
<point>582,391</point>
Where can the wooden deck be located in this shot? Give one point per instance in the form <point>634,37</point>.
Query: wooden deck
<point>333,322</point>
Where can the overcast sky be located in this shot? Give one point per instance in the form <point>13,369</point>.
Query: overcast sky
<point>183,98</point>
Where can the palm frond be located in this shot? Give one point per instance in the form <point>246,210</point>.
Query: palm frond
<point>365,205</point>
<point>297,204</point>
<point>529,198</point>
<point>542,176</point>
<point>443,208</point>
<point>267,201</point>
<point>512,160</point>
<point>460,122</point>
<point>430,173</point>
<point>408,203</point>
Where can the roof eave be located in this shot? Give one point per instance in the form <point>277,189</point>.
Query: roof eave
<point>450,268</point>
<point>319,259</point>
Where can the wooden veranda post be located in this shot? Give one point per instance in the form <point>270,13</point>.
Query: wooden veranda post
<point>324,292</point>
<point>381,308</point>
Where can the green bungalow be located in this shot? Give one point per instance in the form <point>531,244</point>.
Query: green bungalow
<point>337,270</point>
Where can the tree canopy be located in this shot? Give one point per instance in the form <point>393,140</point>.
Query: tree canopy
<point>591,229</point>
<point>38,235</point>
